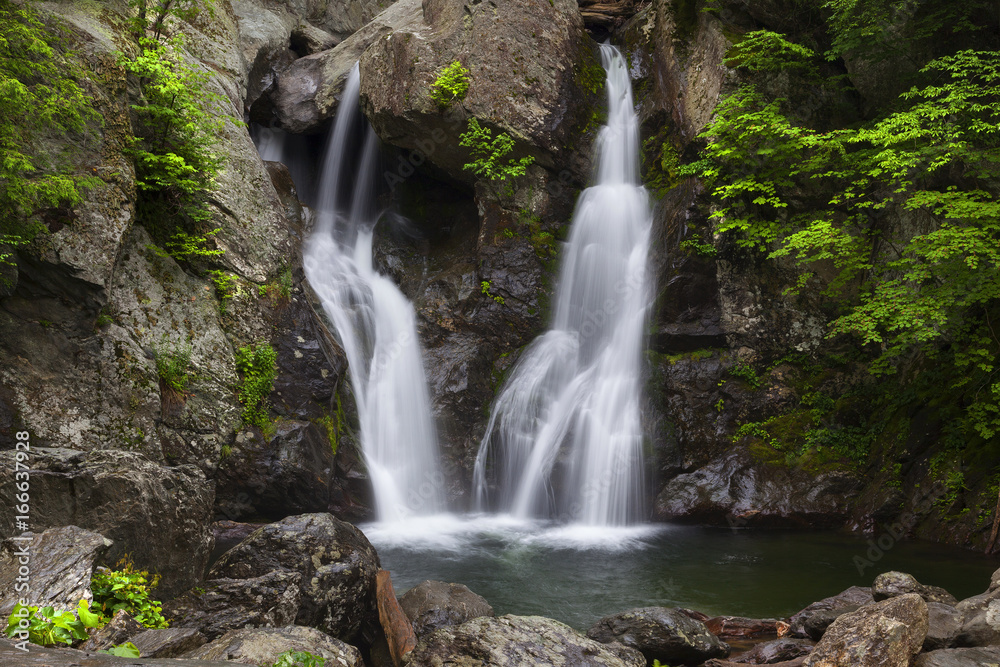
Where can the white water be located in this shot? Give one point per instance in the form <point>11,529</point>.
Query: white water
<point>375,325</point>
<point>568,416</point>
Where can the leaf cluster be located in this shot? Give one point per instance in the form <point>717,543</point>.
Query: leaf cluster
<point>299,659</point>
<point>451,85</point>
<point>40,95</point>
<point>47,626</point>
<point>490,157</point>
<point>128,589</point>
<point>257,364</point>
<point>838,198</point>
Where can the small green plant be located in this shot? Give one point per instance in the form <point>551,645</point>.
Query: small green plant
<point>47,626</point>
<point>299,659</point>
<point>128,589</point>
<point>720,405</point>
<point>490,161</point>
<point>451,85</point>
<point>745,372</point>
<point>698,248</point>
<point>126,650</point>
<point>172,366</point>
<point>227,286</point>
<point>258,367</point>
<point>485,286</point>
<point>225,452</point>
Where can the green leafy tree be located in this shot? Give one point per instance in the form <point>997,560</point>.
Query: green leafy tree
<point>179,117</point>
<point>490,158</point>
<point>40,96</point>
<point>841,197</point>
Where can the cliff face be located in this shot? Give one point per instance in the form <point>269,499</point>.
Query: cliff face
<point>93,305</point>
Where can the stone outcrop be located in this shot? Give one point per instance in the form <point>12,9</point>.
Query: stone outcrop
<point>512,641</point>
<point>262,646</point>
<point>61,562</point>
<point>310,569</point>
<point>158,516</point>
<point>431,605</point>
<point>660,633</point>
<point>884,634</point>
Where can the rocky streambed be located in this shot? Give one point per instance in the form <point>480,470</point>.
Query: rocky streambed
<point>308,583</point>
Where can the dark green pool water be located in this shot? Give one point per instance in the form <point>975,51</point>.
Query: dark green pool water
<point>578,575</point>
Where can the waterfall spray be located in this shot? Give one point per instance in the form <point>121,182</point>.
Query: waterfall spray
<point>375,325</point>
<point>564,438</point>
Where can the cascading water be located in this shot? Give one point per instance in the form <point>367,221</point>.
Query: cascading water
<point>375,325</point>
<point>569,411</point>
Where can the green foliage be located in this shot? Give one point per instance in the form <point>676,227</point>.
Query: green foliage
<point>47,626</point>
<point>178,118</point>
<point>40,96</point>
<point>126,650</point>
<point>698,248</point>
<point>902,208</point>
<point>172,365</point>
<point>451,85</point>
<point>258,367</point>
<point>745,372</point>
<point>485,288</point>
<point>299,659</point>
<point>128,589</point>
<point>662,165</point>
<point>226,287</point>
<point>490,161</point>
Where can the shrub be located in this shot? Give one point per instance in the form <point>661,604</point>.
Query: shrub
<point>127,589</point>
<point>299,659</point>
<point>257,364</point>
<point>490,160</point>
<point>47,626</point>
<point>451,85</point>
<point>172,366</point>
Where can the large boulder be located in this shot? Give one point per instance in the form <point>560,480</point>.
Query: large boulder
<point>220,605</point>
<point>892,584</point>
<point>980,620</point>
<point>660,633</point>
<point>533,72</point>
<point>777,650</point>
<point>987,656</point>
<point>262,646</point>
<point>944,623</point>
<point>158,516</point>
<point>307,93</point>
<point>310,569</point>
<point>757,493</point>
<point>882,634</point>
<point>513,641</point>
<point>60,562</point>
<point>167,642</point>
<point>852,598</point>
<point>431,605</point>
<point>38,656</point>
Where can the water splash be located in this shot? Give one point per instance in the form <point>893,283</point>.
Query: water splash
<point>564,439</point>
<point>374,323</point>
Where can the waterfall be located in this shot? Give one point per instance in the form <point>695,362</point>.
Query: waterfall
<point>374,323</point>
<point>564,438</point>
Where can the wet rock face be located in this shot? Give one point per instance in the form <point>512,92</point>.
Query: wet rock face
<point>853,597</point>
<point>533,72</point>
<point>61,562</point>
<point>432,605</point>
<point>960,657</point>
<point>778,650</point>
<point>312,569</point>
<point>158,516</point>
<point>893,584</point>
<point>660,633</point>
<point>262,646</point>
<point>888,634</point>
<point>38,656</point>
<point>754,493</point>
<point>167,642</point>
<point>512,641</point>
